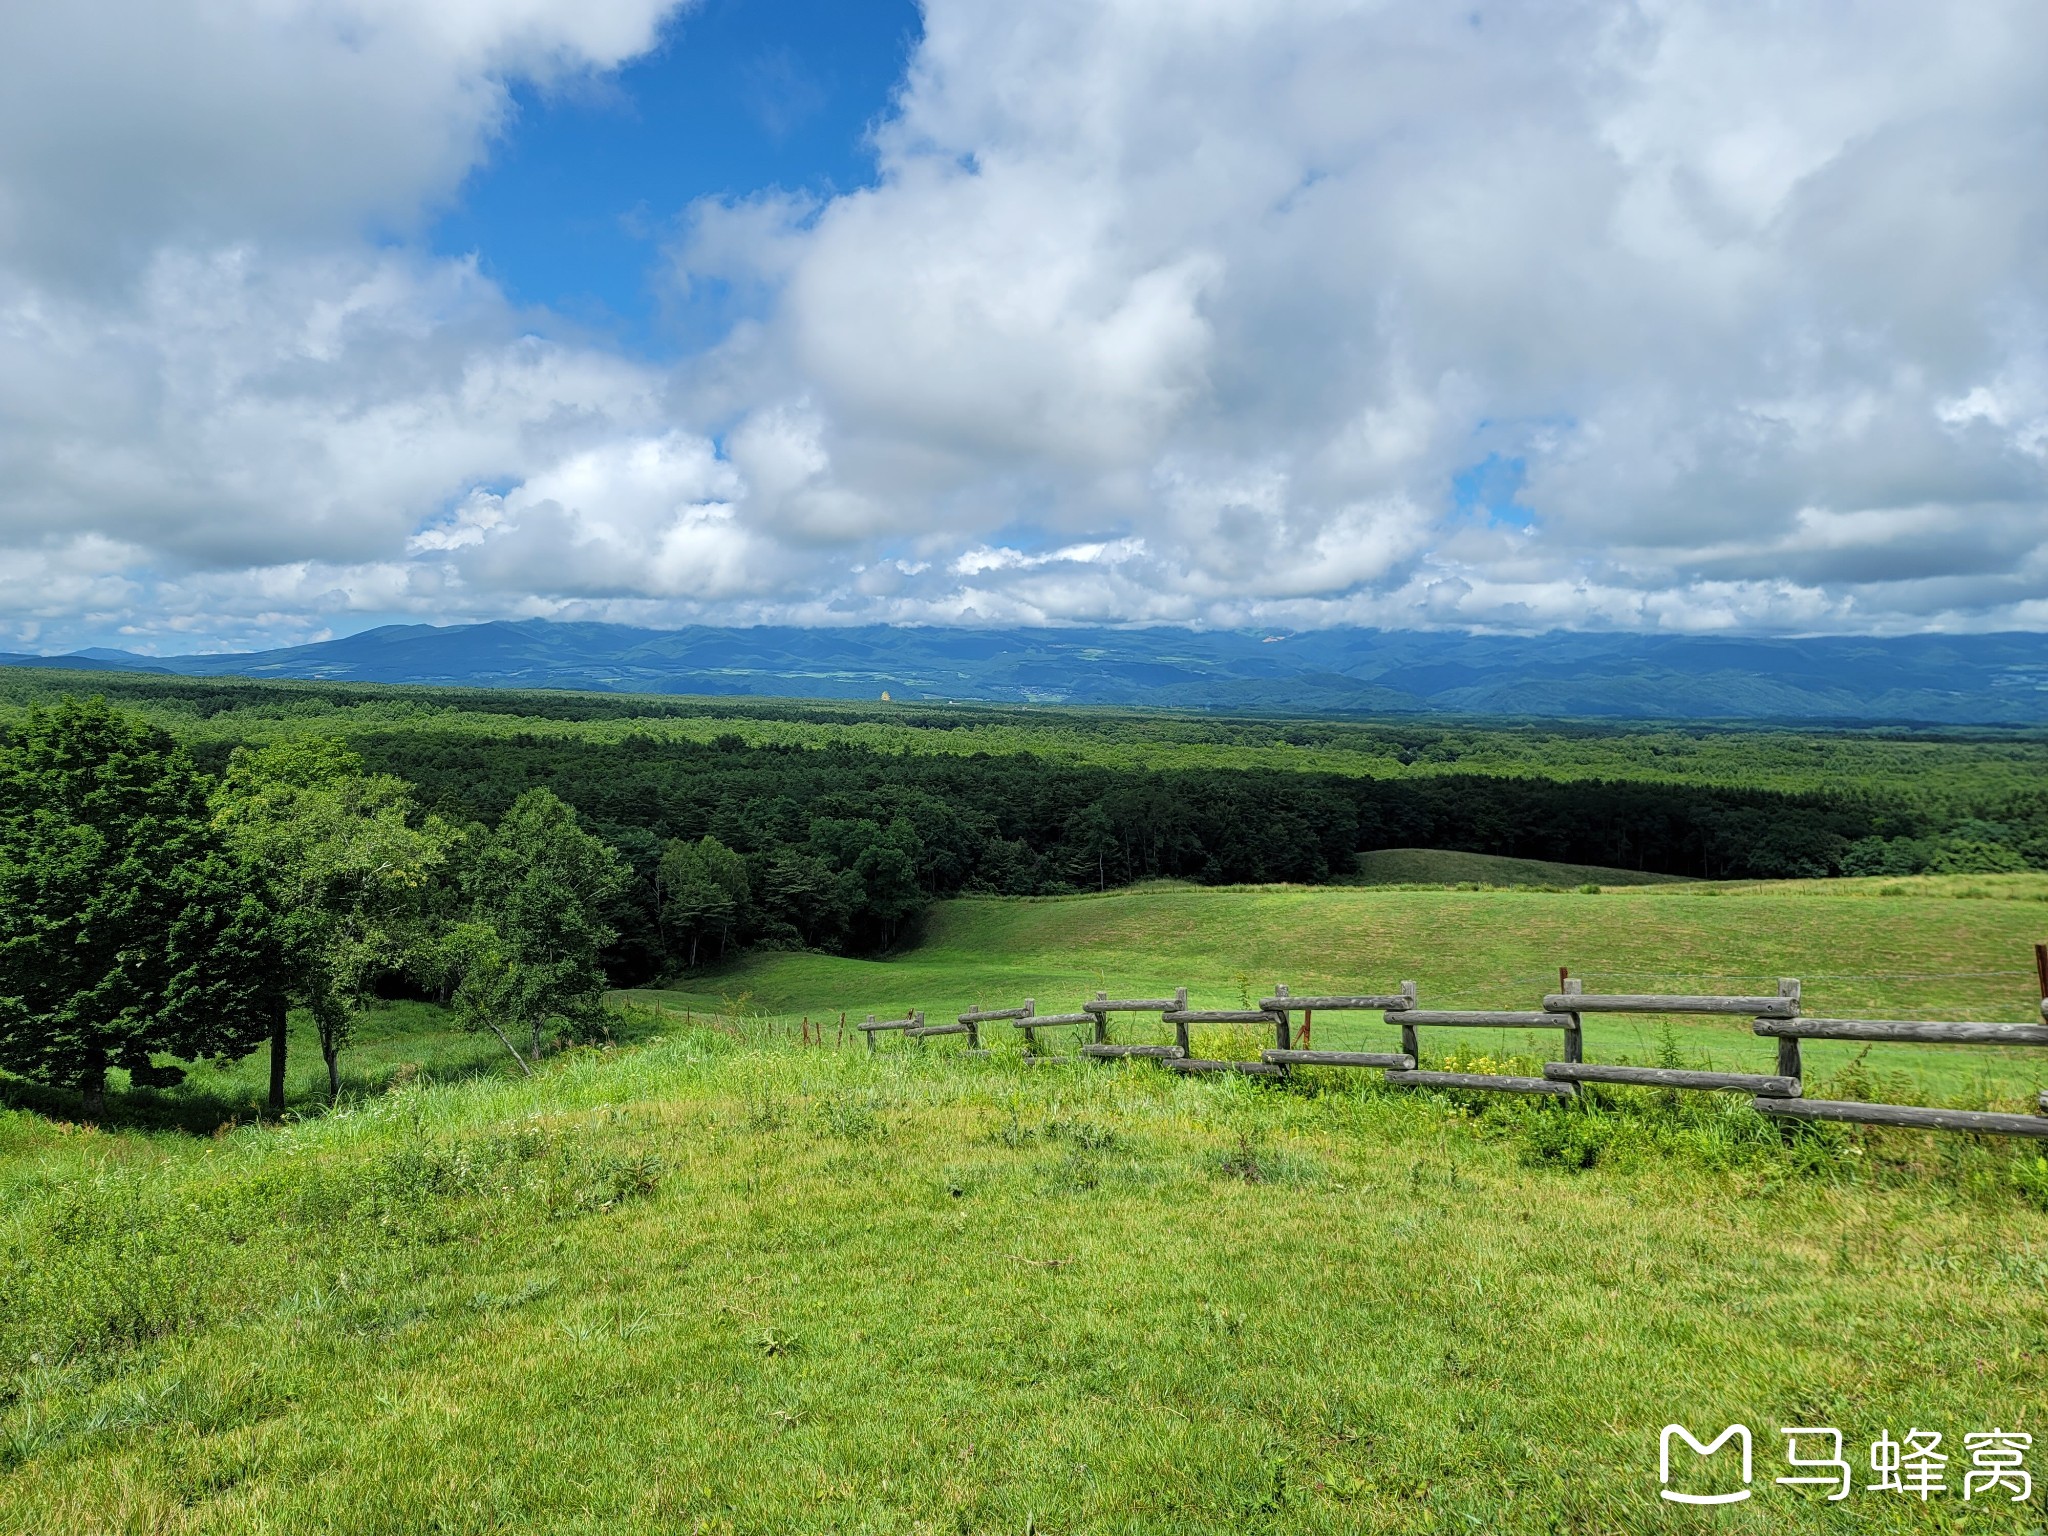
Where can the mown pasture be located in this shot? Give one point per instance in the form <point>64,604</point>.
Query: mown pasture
<point>1446,866</point>
<point>716,1280</point>
<point>1933,948</point>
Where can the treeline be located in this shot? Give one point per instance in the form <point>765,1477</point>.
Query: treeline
<point>148,910</point>
<point>841,848</point>
<point>1945,774</point>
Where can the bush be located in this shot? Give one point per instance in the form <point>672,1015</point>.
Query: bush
<point>1564,1138</point>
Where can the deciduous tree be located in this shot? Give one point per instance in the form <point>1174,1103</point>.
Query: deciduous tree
<point>540,885</point>
<point>704,891</point>
<point>348,863</point>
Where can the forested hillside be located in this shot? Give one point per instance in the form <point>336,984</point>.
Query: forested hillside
<point>1947,772</point>
<point>833,826</point>
<point>844,845</point>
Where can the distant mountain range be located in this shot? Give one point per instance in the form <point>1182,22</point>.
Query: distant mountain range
<point>1946,679</point>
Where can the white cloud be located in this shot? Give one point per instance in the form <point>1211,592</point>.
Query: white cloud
<point>1186,313</point>
<point>129,124</point>
<point>1252,283</point>
<point>1002,558</point>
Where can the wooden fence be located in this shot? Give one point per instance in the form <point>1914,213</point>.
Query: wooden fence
<point>1780,1094</point>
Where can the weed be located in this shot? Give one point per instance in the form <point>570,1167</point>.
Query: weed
<point>507,1301</point>
<point>1856,1079</point>
<point>1077,1172</point>
<point>850,1116</point>
<point>1250,1159</point>
<point>24,1435</point>
<point>766,1112</point>
<point>2030,1178</point>
<point>1086,1135</point>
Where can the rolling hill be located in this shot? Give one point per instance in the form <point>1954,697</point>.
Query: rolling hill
<point>1449,866</point>
<point>1949,679</point>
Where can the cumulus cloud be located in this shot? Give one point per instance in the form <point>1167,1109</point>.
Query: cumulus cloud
<point>1204,312</point>
<point>127,124</point>
<point>1752,295</point>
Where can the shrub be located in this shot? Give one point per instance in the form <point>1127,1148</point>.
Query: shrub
<point>1565,1138</point>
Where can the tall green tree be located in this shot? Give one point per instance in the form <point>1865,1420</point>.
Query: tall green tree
<point>540,887</point>
<point>1090,840</point>
<point>880,866</point>
<point>704,891</point>
<point>126,929</point>
<point>348,864</point>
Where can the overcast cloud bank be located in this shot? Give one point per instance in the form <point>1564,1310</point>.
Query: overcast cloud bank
<point>1671,316</point>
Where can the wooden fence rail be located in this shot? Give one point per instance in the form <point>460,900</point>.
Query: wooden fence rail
<point>1032,1022</point>
<point>871,1029</point>
<point>1779,1094</point>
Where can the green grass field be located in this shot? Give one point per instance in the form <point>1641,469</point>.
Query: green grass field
<point>712,1280</point>
<point>1443,866</point>
<point>1930,953</point>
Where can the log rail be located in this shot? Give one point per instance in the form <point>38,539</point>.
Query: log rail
<point>1780,1095</point>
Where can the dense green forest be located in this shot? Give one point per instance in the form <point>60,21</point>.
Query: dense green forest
<point>843,846</point>
<point>1946,774</point>
<point>833,826</point>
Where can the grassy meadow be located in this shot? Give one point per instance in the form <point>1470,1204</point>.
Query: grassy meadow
<point>710,1279</point>
<point>1448,866</point>
<point>1932,947</point>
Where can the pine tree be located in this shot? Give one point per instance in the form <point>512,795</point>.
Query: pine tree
<point>126,929</point>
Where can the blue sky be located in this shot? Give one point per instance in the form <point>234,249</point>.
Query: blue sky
<point>572,209</point>
<point>1265,314</point>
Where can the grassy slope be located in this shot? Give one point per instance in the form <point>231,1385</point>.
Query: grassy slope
<point>732,1285</point>
<point>896,1295</point>
<point>1444,866</point>
<point>1858,953</point>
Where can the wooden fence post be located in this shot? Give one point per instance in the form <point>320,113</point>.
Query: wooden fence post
<point>1102,1020</point>
<point>871,1036</point>
<point>1788,1045</point>
<point>1574,1032</point>
<point>1411,1043</point>
<point>1281,1033</point>
<point>1180,1026</point>
<point>2041,968</point>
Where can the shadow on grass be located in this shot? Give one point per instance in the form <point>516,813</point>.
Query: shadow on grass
<point>198,1113</point>
<point>384,1058</point>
